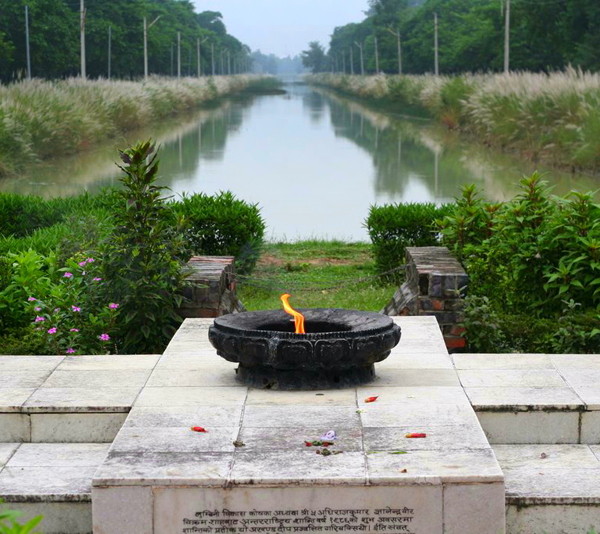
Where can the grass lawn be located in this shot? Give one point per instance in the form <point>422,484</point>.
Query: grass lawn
<point>308,270</point>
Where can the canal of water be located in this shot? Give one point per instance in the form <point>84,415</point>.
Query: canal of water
<point>312,160</point>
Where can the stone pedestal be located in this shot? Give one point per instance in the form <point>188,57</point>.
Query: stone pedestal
<point>435,284</point>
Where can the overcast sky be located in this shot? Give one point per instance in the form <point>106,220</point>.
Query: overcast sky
<point>284,27</point>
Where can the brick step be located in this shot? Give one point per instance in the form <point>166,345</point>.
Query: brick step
<point>551,489</point>
<point>53,480</point>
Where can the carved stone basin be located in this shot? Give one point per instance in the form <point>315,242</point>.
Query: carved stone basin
<point>339,349</point>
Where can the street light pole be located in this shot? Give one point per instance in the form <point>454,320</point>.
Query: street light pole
<point>398,38</point>
<point>437,65</point>
<point>109,51</point>
<point>199,42</point>
<point>179,54</point>
<point>362,62</point>
<point>146,28</point>
<point>82,31</point>
<point>27,42</point>
<point>507,38</point>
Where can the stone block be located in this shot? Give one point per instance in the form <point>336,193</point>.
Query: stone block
<point>15,428</point>
<point>590,428</point>
<point>117,510</point>
<point>361,508</point>
<point>76,427</point>
<point>474,509</point>
<point>435,285</point>
<point>530,427</point>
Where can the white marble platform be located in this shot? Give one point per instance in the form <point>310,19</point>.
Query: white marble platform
<point>158,473</point>
<point>169,474</point>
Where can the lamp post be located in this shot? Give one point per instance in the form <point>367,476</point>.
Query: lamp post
<point>146,28</point>
<point>396,33</point>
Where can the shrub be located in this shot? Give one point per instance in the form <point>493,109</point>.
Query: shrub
<point>143,257</point>
<point>29,274</point>
<point>534,268</point>
<point>21,215</point>
<point>223,225</point>
<point>393,227</point>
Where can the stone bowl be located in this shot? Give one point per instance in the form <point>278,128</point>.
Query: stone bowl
<point>339,349</point>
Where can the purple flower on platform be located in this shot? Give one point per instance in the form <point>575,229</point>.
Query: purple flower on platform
<point>104,337</point>
<point>68,275</point>
<point>74,330</point>
<point>70,350</point>
<point>96,279</point>
<point>31,299</point>
<point>113,305</point>
<point>75,308</point>
<point>82,263</point>
<point>52,330</point>
<point>39,319</point>
<point>329,436</point>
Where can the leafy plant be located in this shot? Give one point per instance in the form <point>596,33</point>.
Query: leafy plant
<point>534,268</point>
<point>10,525</point>
<point>73,318</point>
<point>143,257</point>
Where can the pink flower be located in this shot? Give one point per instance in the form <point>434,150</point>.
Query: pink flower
<point>70,350</point>
<point>52,330</point>
<point>39,319</point>
<point>56,310</point>
<point>113,305</point>
<point>90,260</point>
<point>31,299</point>
<point>96,279</point>
<point>75,308</point>
<point>82,263</point>
<point>37,308</point>
<point>74,329</point>
<point>68,275</point>
<point>104,337</point>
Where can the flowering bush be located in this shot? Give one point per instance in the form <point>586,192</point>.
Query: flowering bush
<point>72,318</point>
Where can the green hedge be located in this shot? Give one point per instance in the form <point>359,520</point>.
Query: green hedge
<point>393,227</point>
<point>22,215</point>
<point>223,225</point>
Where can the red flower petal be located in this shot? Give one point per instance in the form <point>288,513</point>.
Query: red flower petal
<point>308,443</point>
<point>416,435</point>
<point>199,429</point>
<point>371,399</point>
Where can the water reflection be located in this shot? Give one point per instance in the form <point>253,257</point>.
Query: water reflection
<point>312,177</point>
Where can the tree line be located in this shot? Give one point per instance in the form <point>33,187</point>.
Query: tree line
<point>54,30</point>
<point>544,35</point>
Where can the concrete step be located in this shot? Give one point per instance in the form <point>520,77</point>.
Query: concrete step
<point>53,480</point>
<point>534,398</point>
<point>551,489</point>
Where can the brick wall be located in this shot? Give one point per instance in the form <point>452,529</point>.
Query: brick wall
<point>435,285</point>
<point>210,290</point>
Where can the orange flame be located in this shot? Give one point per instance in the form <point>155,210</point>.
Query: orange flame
<point>298,317</point>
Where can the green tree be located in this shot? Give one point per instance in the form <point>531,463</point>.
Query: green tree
<point>314,58</point>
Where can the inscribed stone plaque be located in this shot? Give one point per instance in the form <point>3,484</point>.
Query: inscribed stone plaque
<point>329,509</point>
